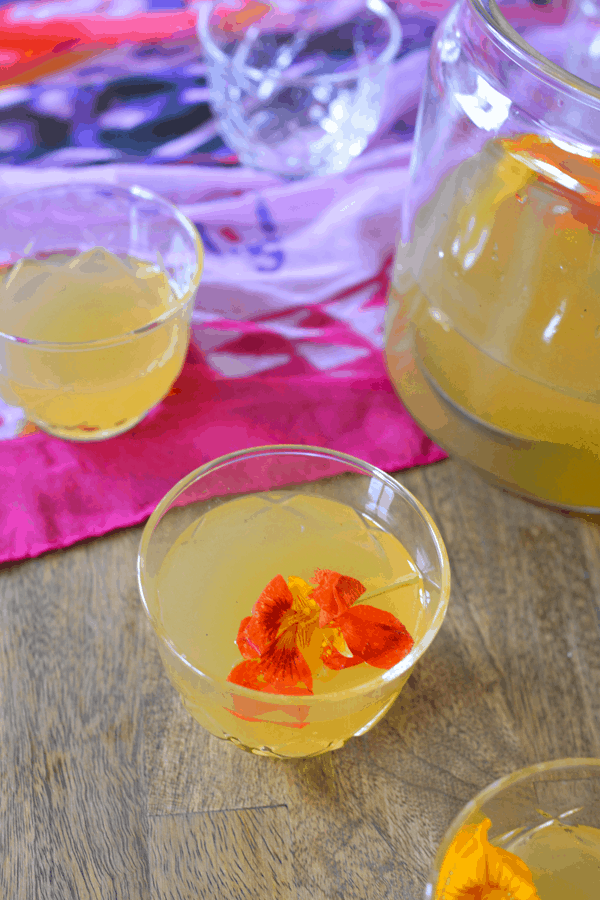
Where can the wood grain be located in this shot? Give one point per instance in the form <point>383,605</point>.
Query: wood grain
<point>110,789</point>
<point>191,855</point>
<point>72,748</point>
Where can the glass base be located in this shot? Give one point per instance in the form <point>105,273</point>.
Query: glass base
<point>272,754</point>
<point>558,476</point>
<point>288,743</point>
<point>85,434</point>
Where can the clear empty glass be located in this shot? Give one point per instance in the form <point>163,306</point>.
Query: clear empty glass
<point>96,293</point>
<point>300,93</point>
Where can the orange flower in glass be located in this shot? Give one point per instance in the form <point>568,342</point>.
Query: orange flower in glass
<point>473,869</point>
<point>296,627</point>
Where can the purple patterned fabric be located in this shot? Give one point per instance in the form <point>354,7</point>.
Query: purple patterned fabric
<point>138,102</point>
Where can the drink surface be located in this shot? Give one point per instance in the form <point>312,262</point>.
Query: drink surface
<point>218,567</point>
<point>89,392</point>
<point>564,860</point>
<point>89,297</point>
<point>494,319</point>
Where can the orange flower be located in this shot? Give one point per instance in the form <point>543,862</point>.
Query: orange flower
<point>296,627</point>
<point>575,177</point>
<point>473,869</point>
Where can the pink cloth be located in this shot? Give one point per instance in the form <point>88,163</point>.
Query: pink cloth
<point>57,492</point>
<point>287,341</point>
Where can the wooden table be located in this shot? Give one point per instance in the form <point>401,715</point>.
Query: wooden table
<point>108,789</point>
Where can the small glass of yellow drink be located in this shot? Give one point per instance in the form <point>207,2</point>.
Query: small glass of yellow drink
<point>97,285</point>
<point>532,835</point>
<point>288,614</point>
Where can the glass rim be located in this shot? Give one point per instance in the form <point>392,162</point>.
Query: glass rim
<point>386,675</point>
<point>496,787</point>
<point>379,7</point>
<point>132,191</point>
<point>523,52</point>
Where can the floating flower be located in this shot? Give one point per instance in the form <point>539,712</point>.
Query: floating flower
<point>473,869</point>
<point>572,175</point>
<point>297,627</point>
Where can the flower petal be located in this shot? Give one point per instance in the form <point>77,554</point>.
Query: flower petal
<point>245,646</point>
<point>281,670</point>
<point>252,710</point>
<point>333,659</point>
<point>464,868</point>
<point>335,594</point>
<point>335,652</point>
<point>375,636</point>
<point>508,873</point>
<point>263,625</point>
<point>474,868</point>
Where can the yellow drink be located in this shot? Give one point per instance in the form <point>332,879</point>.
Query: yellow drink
<point>552,861</point>
<point>564,860</point>
<point>494,320</point>
<point>103,359</point>
<point>210,579</point>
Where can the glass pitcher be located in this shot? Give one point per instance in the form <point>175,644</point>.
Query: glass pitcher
<point>493,326</point>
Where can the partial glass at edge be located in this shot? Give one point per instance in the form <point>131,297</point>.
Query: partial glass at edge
<point>88,390</point>
<point>493,327</point>
<point>328,720</point>
<point>542,814</point>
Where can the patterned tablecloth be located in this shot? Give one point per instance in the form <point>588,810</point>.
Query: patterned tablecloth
<point>288,322</point>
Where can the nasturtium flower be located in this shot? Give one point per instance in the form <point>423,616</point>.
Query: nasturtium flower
<point>575,177</point>
<point>296,627</point>
<point>473,869</point>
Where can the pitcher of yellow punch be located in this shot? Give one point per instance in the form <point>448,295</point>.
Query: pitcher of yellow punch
<point>493,326</point>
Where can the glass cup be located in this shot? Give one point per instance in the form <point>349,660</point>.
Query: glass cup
<point>95,305</point>
<point>493,326</point>
<point>196,636</point>
<point>299,92</point>
<point>548,815</point>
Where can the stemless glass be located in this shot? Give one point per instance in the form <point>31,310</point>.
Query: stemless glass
<point>271,724</point>
<point>493,328</point>
<point>549,816</point>
<point>94,368</point>
<point>300,93</point>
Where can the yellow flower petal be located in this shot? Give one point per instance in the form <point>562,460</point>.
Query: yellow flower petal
<point>509,873</point>
<point>301,592</point>
<point>333,637</point>
<point>473,869</point>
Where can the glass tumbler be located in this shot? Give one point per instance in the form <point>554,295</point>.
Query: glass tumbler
<point>218,538</point>
<point>493,324</point>
<point>548,816</point>
<point>97,289</point>
<point>299,92</point>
